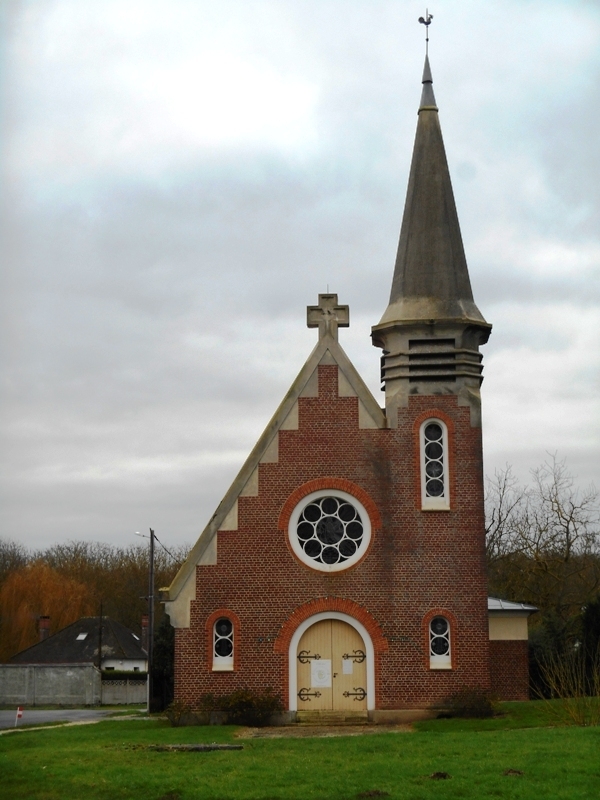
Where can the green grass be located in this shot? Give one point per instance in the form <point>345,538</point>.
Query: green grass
<point>105,762</point>
<point>533,714</point>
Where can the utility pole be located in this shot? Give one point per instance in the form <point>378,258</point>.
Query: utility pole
<point>150,616</point>
<point>100,650</point>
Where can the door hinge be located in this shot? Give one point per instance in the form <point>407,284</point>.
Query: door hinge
<point>306,694</point>
<point>358,693</point>
<point>304,657</point>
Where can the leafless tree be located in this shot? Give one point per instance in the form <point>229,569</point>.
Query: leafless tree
<point>13,556</point>
<point>505,501</point>
<point>543,540</point>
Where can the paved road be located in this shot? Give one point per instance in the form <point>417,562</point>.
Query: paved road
<point>36,716</point>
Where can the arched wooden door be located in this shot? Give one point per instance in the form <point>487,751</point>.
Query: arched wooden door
<point>332,668</point>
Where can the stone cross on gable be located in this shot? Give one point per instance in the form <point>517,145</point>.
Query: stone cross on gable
<point>328,316</point>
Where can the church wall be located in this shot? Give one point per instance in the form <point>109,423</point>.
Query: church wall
<point>509,668</point>
<point>418,562</point>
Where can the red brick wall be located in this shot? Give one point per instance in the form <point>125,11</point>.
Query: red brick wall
<point>509,669</point>
<point>417,561</point>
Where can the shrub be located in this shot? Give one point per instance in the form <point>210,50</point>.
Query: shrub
<point>473,703</point>
<point>208,703</point>
<point>123,674</point>
<point>244,706</point>
<point>574,678</point>
<point>178,713</point>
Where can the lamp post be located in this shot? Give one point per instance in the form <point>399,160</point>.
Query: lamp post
<point>100,650</point>
<point>150,616</point>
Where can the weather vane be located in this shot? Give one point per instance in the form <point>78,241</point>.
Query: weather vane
<point>426,20</point>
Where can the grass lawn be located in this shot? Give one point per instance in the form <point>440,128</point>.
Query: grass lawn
<point>108,761</point>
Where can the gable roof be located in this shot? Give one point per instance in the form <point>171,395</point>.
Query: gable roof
<point>78,643</point>
<point>328,351</point>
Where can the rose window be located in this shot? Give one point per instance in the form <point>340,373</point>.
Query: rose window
<point>329,530</point>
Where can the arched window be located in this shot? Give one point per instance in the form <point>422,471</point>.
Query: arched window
<point>435,493</point>
<point>223,645</point>
<point>439,644</point>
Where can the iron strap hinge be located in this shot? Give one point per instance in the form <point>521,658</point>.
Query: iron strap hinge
<point>358,656</point>
<point>306,694</point>
<point>304,657</point>
<point>358,693</point>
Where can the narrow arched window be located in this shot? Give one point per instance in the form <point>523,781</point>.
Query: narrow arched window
<point>223,644</point>
<point>439,644</point>
<point>435,494</point>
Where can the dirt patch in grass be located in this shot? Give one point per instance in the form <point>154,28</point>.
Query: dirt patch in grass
<point>318,731</point>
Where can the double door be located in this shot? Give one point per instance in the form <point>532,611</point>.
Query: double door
<point>332,668</point>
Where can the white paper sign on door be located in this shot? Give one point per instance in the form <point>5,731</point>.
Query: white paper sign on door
<point>347,664</point>
<point>320,673</point>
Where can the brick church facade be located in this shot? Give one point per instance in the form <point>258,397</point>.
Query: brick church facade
<point>345,567</point>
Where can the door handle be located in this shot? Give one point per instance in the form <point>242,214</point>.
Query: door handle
<point>335,674</point>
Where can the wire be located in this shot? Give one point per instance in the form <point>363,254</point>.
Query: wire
<point>156,539</point>
<point>164,548</point>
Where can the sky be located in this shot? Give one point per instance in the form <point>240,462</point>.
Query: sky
<point>181,178</point>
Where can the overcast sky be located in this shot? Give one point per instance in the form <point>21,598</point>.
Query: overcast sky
<point>182,177</point>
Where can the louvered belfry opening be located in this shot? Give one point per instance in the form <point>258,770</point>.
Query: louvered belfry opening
<point>431,360</point>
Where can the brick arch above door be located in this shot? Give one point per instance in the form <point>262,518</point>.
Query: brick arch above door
<point>340,604</point>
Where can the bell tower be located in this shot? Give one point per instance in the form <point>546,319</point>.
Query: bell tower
<point>431,330</point>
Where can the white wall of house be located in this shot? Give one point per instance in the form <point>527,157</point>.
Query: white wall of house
<point>133,664</point>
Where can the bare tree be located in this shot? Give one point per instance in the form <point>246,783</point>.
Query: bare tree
<point>566,521</point>
<point>13,556</point>
<point>543,540</point>
<point>505,501</point>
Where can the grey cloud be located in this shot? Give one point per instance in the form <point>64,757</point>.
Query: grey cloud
<point>154,310</point>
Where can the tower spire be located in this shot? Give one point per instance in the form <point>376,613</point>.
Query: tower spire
<point>427,96</point>
<point>431,298</point>
<point>431,278</point>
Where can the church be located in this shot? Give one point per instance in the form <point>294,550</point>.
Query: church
<point>345,567</point>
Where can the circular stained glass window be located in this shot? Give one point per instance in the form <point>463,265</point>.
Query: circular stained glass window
<point>329,530</point>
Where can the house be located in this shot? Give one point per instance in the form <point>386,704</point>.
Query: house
<point>345,566</point>
<point>78,643</point>
<point>63,669</point>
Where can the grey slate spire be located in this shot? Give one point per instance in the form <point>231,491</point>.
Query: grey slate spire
<point>431,301</point>
<point>431,279</point>
<point>427,96</point>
